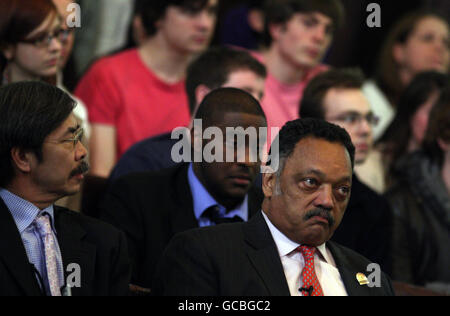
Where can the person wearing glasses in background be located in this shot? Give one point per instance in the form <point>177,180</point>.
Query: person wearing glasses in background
<point>336,97</point>
<point>46,250</point>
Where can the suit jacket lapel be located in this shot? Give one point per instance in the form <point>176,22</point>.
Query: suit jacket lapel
<point>74,250</point>
<point>181,210</point>
<point>348,273</point>
<point>13,254</point>
<point>264,256</point>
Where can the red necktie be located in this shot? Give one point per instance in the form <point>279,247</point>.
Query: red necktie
<point>311,284</point>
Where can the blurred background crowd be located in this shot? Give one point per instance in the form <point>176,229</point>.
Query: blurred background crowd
<point>126,66</point>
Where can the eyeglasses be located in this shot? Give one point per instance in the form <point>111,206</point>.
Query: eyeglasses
<point>77,137</point>
<point>356,118</point>
<point>46,39</point>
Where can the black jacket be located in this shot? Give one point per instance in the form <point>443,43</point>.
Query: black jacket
<point>99,250</point>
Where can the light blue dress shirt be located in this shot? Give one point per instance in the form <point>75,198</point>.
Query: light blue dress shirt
<point>24,214</point>
<point>203,200</point>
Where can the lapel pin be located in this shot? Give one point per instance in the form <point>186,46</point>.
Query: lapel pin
<point>362,279</point>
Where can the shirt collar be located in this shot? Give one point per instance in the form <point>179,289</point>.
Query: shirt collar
<point>286,246</point>
<point>203,200</point>
<point>23,212</point>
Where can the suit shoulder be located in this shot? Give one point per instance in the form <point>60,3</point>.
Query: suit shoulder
<point>91,225</point>
<point>224,234</point>
<point>348,256</point>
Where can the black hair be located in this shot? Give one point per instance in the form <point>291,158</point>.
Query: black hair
<point>213,67</point>
<point>153,10</point>
<point>281,11</point>
<point>224,100</point>
<point>398,134</point>
<point>311,104</point>
<point>294,131</point>
<point>29,112</point>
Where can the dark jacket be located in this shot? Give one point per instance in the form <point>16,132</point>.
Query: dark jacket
<point>98,248</point>
<point>421,206</point>
<point>151,154</point>
<point>151,208</point>
<point>242,260</point>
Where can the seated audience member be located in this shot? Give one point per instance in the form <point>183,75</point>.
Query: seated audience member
<point>336,97</point>
<point>30,41</point>
<point>418,42</point>
<point>407,130</point>
<point>41,160</point>
<point>298,33</point>
<point>421,205</point>
<point>285,249</point>
<point>140,92</point>
<point>217,67</point>
<point>152,207</point>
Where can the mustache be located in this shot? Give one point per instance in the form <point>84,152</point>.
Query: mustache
<point>81,169</point>
<point>322,213</point>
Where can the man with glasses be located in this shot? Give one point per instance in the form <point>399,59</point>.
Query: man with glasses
<point>336,96</point>
<point>46,249</point>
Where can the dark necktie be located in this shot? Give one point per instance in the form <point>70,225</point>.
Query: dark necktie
<point>213,214</point>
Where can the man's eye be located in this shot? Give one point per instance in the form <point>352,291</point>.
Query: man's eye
<point>344,190</point>
<point>309,182</point>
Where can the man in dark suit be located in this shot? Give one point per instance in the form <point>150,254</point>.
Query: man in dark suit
<point>285,249</point>
<point>337,96</point>
<point>152,207</point>
<point>45,249</point>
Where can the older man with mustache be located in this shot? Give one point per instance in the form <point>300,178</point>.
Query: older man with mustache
<point>46,250</point>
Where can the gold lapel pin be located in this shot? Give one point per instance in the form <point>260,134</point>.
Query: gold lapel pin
<point>362,279</point>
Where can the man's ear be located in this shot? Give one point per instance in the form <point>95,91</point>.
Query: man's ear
<point>139,33</point>
<point>275,29</point>
<point>398,52</point>
<point>201,92</point>
<point>269,181</point>
<point>22,159</point>
<point>255,19</point>
<point>443,145</point>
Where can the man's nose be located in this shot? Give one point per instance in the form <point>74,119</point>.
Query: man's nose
<point>80,151</point>
<point>325,198</point>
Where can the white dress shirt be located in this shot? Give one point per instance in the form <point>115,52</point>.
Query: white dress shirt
<point>293,263</point>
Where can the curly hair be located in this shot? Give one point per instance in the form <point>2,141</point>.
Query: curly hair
<point>294,131</point>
